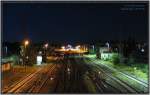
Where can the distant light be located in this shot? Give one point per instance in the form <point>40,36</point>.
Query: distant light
<point>142,50</point>
<point>46,45</point>
<point>135,68</point>
<point>99,72</point>
<point>27,57</point>
<point>6,49</point>
<point>68,69</point>
<point>93,46</point>
<point>77,47</point>
<point>26,42</point>
<point>69,46</point>
<point>72,49</point>
<point>40,52</point>
<point>107,44</point>
<point>51,78</point>
<point>63,47</point>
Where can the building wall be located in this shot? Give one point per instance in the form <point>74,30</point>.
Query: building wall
<point>6,66</point>
<point>106,56</point>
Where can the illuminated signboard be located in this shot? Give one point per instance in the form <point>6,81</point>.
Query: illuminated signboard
<point>39,60</point>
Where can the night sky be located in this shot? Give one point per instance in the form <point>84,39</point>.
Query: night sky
<point>71,22</point>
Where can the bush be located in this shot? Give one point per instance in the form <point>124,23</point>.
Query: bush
<point>131,60</point>
<point>115,58</point>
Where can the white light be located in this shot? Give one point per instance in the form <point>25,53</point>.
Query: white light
<point>68,69</point>
<point>93,46</point>
<point>51,78</point>
<point>134,68</point>
<point>40,52</point>
<point>99,72</point>
<point>72,49</point>
<point>142,50</point>
<point>69,47</point>
<point>63,47</point>
<point>78,47</point>
<point>27,57</point>
<point>46,45</point>
<point>107,44</point>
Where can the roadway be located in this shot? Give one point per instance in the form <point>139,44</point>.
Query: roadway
<point>72,75</point>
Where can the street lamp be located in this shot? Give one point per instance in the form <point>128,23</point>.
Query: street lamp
<point>45,52</point>
<point>26,43</point>
<point>46,45</point>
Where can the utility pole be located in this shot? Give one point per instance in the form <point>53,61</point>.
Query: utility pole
<point>23,22</point>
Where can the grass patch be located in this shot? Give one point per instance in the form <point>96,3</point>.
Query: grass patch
<point>138,70</point>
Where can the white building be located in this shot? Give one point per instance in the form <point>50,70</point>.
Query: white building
<point>105,53</point>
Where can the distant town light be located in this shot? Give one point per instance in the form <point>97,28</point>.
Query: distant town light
<point>51,78</point>
<point>77,47</point>
<point>68,69</point>
<point>26,42</point>
<point>46,45</point>
<point>69,47</point>
<point>63,47</point>
<point>142,50</point>
<point>40,52</point>
<point>27,57</point>
<point>135,68</point>
<point>99,72</point>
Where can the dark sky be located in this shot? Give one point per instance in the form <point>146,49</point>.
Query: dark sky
<point>71,22</point>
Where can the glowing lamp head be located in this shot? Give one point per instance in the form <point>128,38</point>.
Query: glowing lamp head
<point>68,69</point>
<point>46,45</point>
<point>26,42</point>
<point>142,50</point>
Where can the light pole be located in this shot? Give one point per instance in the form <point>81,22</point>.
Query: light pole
<point>26,43</point>
<point>45,46</point>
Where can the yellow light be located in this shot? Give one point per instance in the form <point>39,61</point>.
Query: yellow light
<point>63,47</point>
<point>26,42</point>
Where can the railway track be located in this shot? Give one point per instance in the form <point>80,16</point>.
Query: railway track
<point>58,87</point>
<point>17,88</point>
<point>37,88</point>
<point>123,81</point>
<point>14,87</point>
<point>123,85</point>
<point>128,76</point>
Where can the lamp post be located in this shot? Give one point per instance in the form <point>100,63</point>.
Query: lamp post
<point>26,43</point>
<point>45,46</point>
